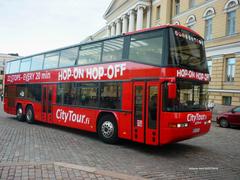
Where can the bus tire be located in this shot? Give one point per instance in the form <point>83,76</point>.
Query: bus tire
<point>19,114</point>
<point>29,115</point>
<point>107,129</point>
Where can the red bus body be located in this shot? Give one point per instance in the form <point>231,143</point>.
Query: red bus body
<point>169,126</point>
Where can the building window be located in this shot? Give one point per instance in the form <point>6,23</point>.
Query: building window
<point>208,29</point>
<point>191,20</point>
<point>208,16</point>
<point>231,62</point>
<point>158,10</point>
<point>231,18</point>
<point>192,3</point>
<point>227,100</point>
<point>230,8</point>
<point>210,67</point>
<point>177,3</point>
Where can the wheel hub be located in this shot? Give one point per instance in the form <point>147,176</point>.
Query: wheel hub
<point>19,112</point>
<point>107,129</point>
<point>29,115</point>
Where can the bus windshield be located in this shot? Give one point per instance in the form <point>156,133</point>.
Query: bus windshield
<point>191,96</point>
<point>187,50</point>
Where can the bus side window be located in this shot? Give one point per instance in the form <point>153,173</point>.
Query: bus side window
<point>110,95</point>
<point>88,94</point>
<point>112,50</point>
<point>14,66</point>
<point>37,62</point>
<point>25,64</point>
<point>51,60</point>
<point>148,45</point>
<point>90,54</point>
<point>68,57</point>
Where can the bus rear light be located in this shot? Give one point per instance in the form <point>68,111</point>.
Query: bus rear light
<point>178,125</point>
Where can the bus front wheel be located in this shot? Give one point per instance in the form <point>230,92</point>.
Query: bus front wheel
<point>20,115</point>
<point>30,115</point>
<point>107,129</point>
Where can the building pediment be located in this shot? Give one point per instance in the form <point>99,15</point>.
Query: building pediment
<point>114,5</point>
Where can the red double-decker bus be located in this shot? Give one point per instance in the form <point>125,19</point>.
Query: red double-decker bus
<point>149,86</point>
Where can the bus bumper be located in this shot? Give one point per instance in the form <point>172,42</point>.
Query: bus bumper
<point>170,135</point>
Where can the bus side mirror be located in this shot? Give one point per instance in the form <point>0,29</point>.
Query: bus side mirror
<point>172,90</point>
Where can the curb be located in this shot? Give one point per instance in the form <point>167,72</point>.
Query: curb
<point>78,167</point>
<point>97,171</point>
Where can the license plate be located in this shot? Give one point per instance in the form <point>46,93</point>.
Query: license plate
<point>196,130</point>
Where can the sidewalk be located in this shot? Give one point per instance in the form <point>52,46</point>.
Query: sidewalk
<point>56,170</point>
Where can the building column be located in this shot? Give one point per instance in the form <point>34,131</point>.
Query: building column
<point>140,9</point>
<point>108,31</point>
<point>125,23</point>
<point>113,29</point>
<point>131,20</point>
<point>119,26</point>
<point>148,17</point>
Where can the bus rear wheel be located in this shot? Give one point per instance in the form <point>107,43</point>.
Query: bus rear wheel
<point>20,115</point>
<point>30,115</point>
<point>107,129</point>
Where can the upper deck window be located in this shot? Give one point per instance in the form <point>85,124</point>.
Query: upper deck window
<point>25,64</point>
<point>147,48</point>
<point>68,57</point>
<point>90,53</point>
<point>37,62</point>
<point>8,65</point>
<point>14,66</point>
<point>51,60</point>
<point>112,50</point>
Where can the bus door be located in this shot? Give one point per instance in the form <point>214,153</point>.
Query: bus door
<point>47,101</point>
<point>146,112</point>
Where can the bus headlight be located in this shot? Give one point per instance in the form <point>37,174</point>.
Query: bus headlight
<point>207,122</point>
<point>178,125</point>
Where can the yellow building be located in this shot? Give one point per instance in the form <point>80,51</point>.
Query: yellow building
<point>218,21</point>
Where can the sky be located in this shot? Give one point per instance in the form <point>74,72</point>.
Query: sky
<point>33,26</point>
